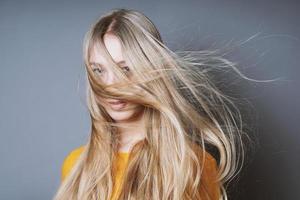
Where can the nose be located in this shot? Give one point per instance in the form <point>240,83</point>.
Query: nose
<point>111,78</point>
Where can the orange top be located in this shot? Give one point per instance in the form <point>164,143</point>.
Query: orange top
<point>208,175</point>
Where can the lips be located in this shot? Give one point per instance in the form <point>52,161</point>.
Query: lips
<point>116,102</point>
<point>117,105</point>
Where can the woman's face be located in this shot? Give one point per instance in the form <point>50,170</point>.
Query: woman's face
<point>114,107</point>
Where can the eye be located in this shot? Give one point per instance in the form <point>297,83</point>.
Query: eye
<point>126,69</point>
<point>98,70</point>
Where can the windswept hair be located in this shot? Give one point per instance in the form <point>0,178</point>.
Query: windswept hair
<point>186,115</point>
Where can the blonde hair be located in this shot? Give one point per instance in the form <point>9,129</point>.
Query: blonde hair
<point>185,114</point>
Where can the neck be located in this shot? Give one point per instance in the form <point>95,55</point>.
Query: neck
<point>131,132</point>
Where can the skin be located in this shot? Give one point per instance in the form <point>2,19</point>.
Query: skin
<point>131,117</point>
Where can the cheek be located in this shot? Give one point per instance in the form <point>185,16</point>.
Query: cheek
<point>134,105</point>
<point>102,102</point>
<point>138,108</point>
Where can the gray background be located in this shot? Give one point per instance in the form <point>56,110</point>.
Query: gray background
<point>42,112</point>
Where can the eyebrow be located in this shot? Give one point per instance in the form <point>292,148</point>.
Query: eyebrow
<point>94,63</point>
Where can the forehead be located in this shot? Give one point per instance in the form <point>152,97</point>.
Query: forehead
<point>113,46</point>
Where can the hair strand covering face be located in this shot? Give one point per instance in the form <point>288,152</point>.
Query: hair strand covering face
<point>185,113</point>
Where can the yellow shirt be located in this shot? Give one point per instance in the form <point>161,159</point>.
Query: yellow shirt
<point>121,162</point>
<point>208,175</point>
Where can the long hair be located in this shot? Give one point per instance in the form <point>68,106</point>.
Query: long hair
<point>186,115</point>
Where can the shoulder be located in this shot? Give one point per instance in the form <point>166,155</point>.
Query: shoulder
<point>210,183</point>
<point>209,160</point>
<point>210,166</point>
<point>70,160</point>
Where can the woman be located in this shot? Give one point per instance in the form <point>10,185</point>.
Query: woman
<point>156,119</point>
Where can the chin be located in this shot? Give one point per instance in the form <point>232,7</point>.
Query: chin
<point>120,116</point>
